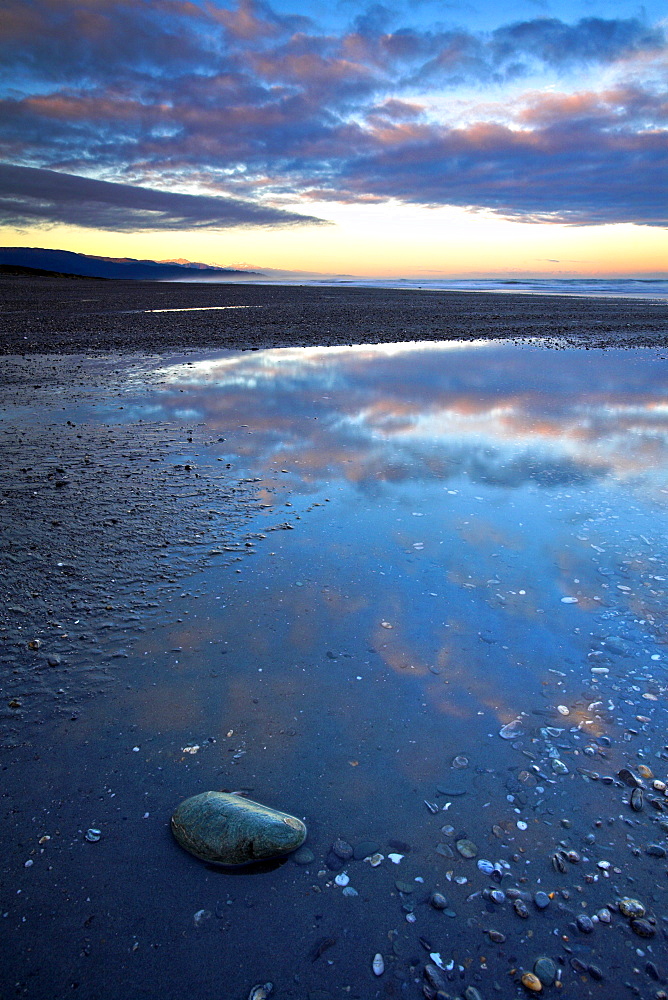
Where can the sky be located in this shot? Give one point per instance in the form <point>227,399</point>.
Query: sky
<point>421,140</point>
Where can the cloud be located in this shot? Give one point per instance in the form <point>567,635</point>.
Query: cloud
<point>254,104</point>
<point>33,196</point>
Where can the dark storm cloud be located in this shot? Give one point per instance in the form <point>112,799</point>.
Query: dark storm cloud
<point>248,102</point>
<point>45,197</point>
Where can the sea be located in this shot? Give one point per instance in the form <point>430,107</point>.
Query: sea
<point>652,288</point>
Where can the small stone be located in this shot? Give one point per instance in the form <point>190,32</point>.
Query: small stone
<point>303,856</point>
<point>497,896</point>
<point>595,972</point>
<point>378,965</point>
<point>643,928</point>
<point>532,982</point>
<point>404,887</point>
<point>466,848</point>
<point>559,767</point>
<point>585,923</point>
<point>496,937</point>
<point>438,901</point>
<point>365,849</point>
<point>546,970</point>
<point>629,907</point>
<point>636,800</point>
<point>93,835</point>
<point>655,851</point>
<point>342,849</point>
<point>541,899</point>
<point>471,993</point>
<point>629,778</point>
<point>645,772</point>
<point>521,908</point>
<point>342,879</point>
<point>604,915</point>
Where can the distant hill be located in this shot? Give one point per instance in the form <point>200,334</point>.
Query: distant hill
<point>65,262</point>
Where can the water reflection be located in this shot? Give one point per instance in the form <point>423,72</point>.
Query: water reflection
<point>480,535</point>
<point>494,414</point>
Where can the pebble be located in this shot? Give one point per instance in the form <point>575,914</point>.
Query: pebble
<point>604,915</point>
<point>521,908</point>
<point>438,901</point>
<point>629,907</point>
<point>532,982</point>
<point>342,879</point>
<point>378,965</point>
<point>546,970</point>
<point>303,856</point>
<point>485,866</point>
<point>585,923</point>
<point>655,851</point>
<point>93,835</point>
<point>471,993</point>
<point>559,767</point>
<point>466,848</point>
<point>643,928</point>
<point>497,896</point>
<point>349,891</point>
<point>629,778</point>
<point>636,800</point>
<point>496,937</point>
<point>404,887</point>
<point>541,899</point>
<point>364,850</point>
<point>342,849</point>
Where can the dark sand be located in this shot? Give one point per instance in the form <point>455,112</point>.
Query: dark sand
<point>40,315</point>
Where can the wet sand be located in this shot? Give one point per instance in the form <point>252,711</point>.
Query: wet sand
<point>116,546</point>
<point>75,316</point>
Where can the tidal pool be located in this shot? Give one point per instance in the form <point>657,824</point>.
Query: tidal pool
<point>445,538</point>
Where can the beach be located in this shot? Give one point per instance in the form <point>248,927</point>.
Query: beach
<point>391,561</point>
<point>82,315</point>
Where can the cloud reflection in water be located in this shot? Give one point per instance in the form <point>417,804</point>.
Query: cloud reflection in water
<point>490,412</point>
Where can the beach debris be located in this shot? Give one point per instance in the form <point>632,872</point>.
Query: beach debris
<point>229,830</point>
<point>93,835</point>
<point>466,848</point>
<point>261,991</point>
<point>512,730</point>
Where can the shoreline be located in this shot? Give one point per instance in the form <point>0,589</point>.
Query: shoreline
<point>59,316</point>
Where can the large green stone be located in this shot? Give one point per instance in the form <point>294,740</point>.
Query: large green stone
<point>230,830</point>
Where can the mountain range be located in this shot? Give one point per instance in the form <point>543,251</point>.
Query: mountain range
<point>36,259</point>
